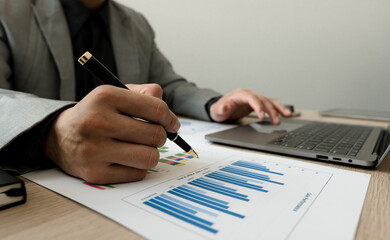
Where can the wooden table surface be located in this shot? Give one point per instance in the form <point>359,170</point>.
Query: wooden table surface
<point>48,215</point>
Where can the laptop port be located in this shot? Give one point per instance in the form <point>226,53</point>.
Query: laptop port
<point>339,159</point>
<point>322,157</point>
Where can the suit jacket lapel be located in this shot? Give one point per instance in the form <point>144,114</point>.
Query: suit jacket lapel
<point>124,45</point>
<point>52,22</point>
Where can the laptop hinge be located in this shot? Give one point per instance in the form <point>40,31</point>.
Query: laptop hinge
<point>382,143</point>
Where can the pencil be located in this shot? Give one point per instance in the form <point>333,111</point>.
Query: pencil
<point>99,71</point>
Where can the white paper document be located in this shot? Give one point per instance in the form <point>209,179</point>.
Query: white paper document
<point>225,194</point>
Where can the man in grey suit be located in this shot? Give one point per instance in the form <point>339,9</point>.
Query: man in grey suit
<point>52,111</point>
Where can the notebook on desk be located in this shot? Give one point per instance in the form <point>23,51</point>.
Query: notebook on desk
<point>350,144</point>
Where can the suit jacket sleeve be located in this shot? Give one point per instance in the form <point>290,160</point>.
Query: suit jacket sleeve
<point>19,111</point>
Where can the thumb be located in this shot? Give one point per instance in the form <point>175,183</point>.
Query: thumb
<point>224,109</point>
<point>153,89</point>
<point>221,111</point>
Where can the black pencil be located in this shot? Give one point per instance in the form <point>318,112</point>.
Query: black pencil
<point>99,71</point>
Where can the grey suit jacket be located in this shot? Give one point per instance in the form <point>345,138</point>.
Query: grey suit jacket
<point>37,64</point>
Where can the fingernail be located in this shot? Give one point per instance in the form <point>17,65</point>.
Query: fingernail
<point>287,111</point>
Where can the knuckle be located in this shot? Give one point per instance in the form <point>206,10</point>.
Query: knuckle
<point>253,98</point>
<point>139,175</point>
<point>250,91</point>
<point>103,92</point>
<point>272,111</point>
<point>152,160</point>
<point>156,88</point>
<point>93,175</point>
<point>86,151</point>
<point>263,98</point>
<point>159,136</point>
<point>92,121</point>
<point>267,99</point>
<point>161,110</point>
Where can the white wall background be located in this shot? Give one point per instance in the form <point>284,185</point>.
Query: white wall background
<point>315,54</point>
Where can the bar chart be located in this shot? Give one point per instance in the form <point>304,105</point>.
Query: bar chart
<point>177,159</point>
<point>211,202</point>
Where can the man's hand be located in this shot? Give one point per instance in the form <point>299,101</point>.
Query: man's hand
<point>241,102</point>
<point>99,140</point>
<point>152,89</point>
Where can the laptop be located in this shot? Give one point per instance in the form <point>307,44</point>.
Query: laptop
<point>344,143</point>
<point>369,114</point>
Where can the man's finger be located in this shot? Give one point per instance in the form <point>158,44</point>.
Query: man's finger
<point>129,154</point>
<point>115,174</point>
<point>281,108</point>
<point>132,130</point>
<point>151,89</point>
<point>270,109</point>
<point>138,105</point>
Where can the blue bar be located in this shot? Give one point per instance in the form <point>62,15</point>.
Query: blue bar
<point>231,177</point>
<point>209,180</point>
<point>205,185</point>
<point>188,220</point>
<point>249,174</point>
<point>200,198</point>
<point>208,183</point>
<point>239,169</point>
<point>194,189</point>
<point>247,185</point>
<point>191,211</point>
<point>254,166</point>
<point>188,205</point>
<point>195,218</point>
<point>258,165</point>
<point>230,194</point>
<point>248,179</point>
<point>245,174</point>
<point>203,196</point>
<point>206,204</point>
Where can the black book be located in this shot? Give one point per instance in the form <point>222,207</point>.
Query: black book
<point>12,191</point>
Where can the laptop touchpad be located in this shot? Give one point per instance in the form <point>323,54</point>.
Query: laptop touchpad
<point>268,127</point>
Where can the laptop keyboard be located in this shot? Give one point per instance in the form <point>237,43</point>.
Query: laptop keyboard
<point>326,138</point>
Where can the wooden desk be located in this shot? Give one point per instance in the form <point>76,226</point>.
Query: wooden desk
<point>47,215</point>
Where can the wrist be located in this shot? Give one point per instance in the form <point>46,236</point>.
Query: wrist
<point>209,105</point>
<point>50,146</point>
